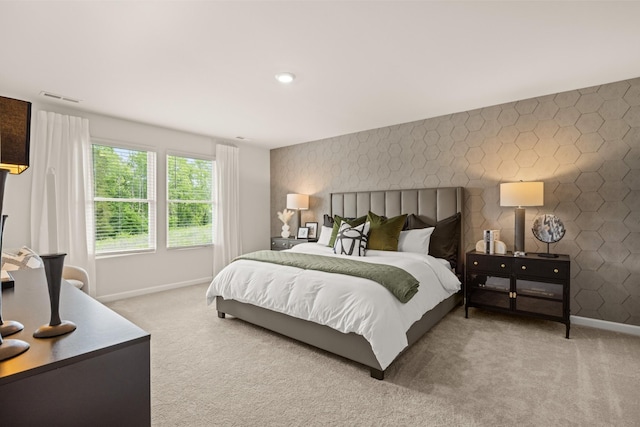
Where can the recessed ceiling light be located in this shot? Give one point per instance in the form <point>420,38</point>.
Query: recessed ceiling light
<point>285,78</point>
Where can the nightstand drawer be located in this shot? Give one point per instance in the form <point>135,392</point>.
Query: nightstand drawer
<point>490,264</point>
<point>541,268</point>
<point>280,244</point>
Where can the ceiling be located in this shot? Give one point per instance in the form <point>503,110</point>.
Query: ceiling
<point>208,67</point>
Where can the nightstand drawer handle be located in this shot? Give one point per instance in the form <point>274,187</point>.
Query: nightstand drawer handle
<point>555,270</point>
<point>502,265</point>
<point>475,262</point>
<point>524,267</point>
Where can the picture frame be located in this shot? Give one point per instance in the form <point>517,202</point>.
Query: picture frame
<point>313,229</point>
<point>303,232</point>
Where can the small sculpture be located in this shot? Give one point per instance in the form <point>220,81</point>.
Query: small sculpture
<point>285,216</point>
<point>53,265</point>
<point>548,229</point>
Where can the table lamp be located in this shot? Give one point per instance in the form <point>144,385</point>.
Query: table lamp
<point>521,194</point>
<point>15,136</point>
<point>298,202</point>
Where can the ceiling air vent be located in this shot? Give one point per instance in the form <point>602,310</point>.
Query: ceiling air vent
<point>59,97</point>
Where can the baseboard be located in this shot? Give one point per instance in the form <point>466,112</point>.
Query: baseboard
<point>605,324</point>
<point>154,289</point>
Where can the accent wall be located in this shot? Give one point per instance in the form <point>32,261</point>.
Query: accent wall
<point>584,144</point>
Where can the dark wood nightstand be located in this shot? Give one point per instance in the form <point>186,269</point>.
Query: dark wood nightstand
<point>282,243</point>
<point>525,285</point>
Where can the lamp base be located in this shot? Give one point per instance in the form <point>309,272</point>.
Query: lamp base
<point>9,327</point>
<point>519,231</point>
<point>12,348</point>
<point>48,331</point>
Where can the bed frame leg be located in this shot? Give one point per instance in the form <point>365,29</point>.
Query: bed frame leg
<point>221,314</point>
<point>377,374</point>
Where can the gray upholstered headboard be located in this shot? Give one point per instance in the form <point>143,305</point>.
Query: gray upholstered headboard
<point>433,203</point>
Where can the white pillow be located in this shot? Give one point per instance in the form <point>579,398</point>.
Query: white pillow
<point>352,241</point>
<point>325,235</point>
<point>415,240</point>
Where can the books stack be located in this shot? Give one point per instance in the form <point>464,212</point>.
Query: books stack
<point>490,237</point>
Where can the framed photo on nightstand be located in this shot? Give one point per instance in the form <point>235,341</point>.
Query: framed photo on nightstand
<point>303,232</point>
<point>313,229</point>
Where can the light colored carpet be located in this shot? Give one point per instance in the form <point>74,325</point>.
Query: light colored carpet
<point>488,370</point>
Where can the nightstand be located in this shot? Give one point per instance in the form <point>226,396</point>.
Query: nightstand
<point>525,285</point>
<point>282,243</point>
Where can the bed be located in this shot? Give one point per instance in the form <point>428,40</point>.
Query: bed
<point>360,343</point>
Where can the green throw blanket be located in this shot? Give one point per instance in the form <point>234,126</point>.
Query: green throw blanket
<point>400,283</point>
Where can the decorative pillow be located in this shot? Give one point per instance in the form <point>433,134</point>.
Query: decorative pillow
<point>415,222</point>
<point>328,221</point>
<point>25,258</point>
<point>352,240</point>
<point>415,240</point>
<point>325,235</point>
<point>385,232</point>
<point>338,221</point>
<point>444,239</point>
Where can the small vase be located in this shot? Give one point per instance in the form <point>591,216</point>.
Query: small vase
<point>285,231</point>
<point>53,265</point>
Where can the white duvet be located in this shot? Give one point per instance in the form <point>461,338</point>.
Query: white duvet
<point>345,303</point>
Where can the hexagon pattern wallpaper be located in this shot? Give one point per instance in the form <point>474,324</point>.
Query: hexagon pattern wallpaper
<point>584,144</point>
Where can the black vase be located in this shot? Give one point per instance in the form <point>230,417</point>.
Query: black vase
<point>53,265</point>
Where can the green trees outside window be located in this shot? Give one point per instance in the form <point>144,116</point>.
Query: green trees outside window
<point>124,199</point>
<point>189,201</point>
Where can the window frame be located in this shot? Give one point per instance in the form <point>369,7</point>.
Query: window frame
<point>195,156</point>
<point>152,197</point>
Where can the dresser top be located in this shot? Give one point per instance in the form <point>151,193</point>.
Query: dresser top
<point>99,329</point>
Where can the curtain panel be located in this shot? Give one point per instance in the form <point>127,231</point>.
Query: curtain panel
<point>62,193</point>
<point>227,238</point>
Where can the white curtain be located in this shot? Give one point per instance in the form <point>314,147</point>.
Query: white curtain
<point>227,243</point>
<point>61,192</point>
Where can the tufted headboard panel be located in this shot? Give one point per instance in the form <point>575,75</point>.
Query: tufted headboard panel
<point>434,204</point>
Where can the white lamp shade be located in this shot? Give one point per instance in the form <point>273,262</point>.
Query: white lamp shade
<point>298,201</point>
<point>522,194</point>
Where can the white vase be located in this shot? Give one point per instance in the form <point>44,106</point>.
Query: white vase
<point>285,231</point>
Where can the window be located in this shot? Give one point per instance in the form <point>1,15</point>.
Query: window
<point>124,199</point>
<point>189,201</point>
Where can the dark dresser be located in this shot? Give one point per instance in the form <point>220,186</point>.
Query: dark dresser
<point>98,375</point>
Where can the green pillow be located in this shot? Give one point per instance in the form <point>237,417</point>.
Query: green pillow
<point>385,232</point>
<point>337,220</point>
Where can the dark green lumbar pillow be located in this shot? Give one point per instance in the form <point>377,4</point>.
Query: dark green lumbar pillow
<point>337,220</point>
<point>385,232</point>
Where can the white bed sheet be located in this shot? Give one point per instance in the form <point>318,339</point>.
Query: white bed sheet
<point>342,302</point>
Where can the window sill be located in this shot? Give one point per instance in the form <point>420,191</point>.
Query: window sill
<point>124,254</point>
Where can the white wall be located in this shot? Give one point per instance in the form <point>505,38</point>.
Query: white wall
<point>122,276</point>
